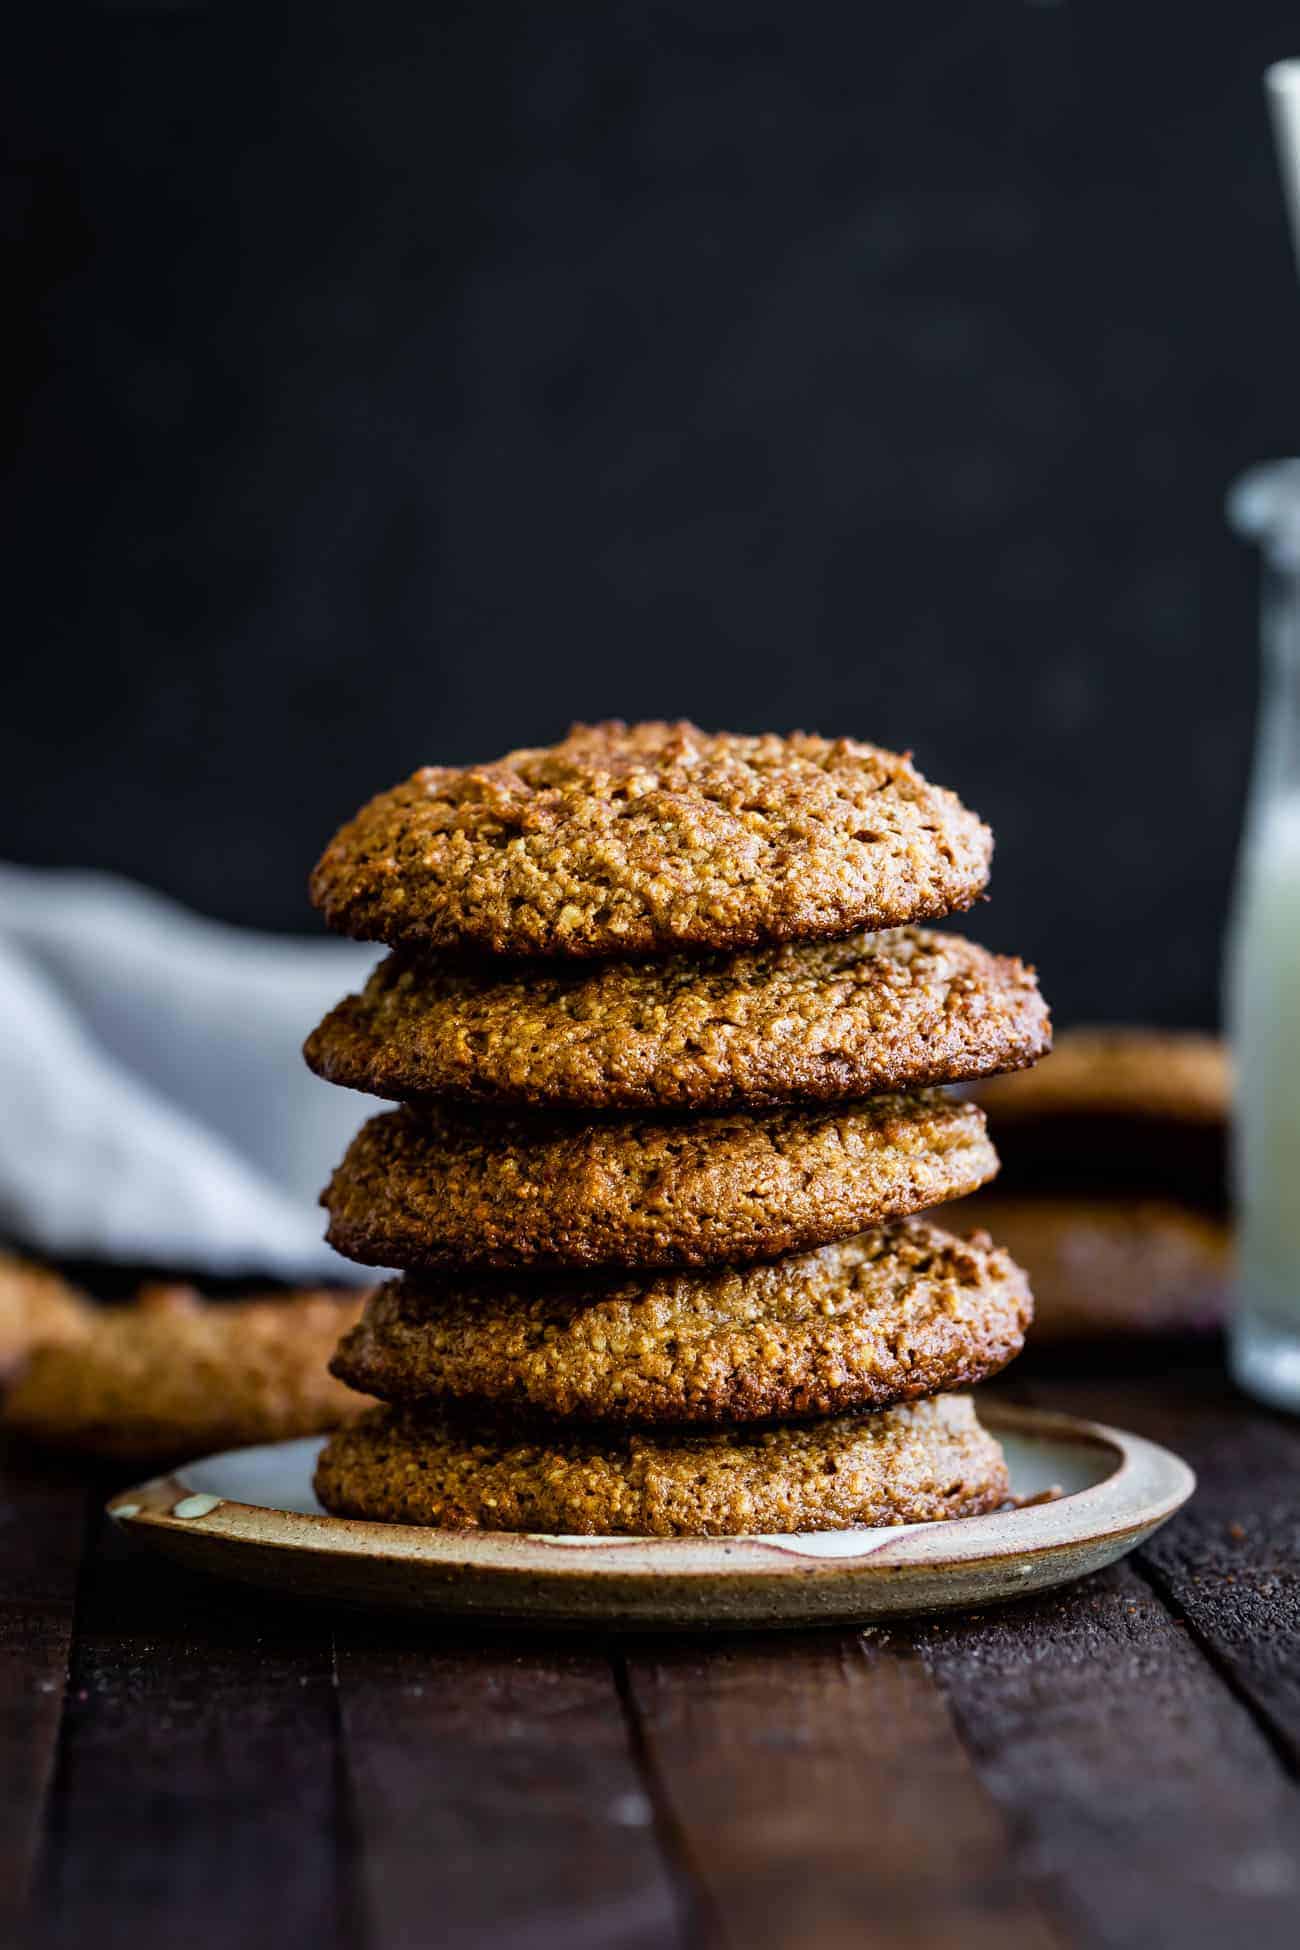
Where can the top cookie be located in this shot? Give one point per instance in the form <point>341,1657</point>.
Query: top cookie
<point>801,1022</point>
<point>636,839</point>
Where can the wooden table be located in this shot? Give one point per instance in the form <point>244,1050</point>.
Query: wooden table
<point>184,1764</point>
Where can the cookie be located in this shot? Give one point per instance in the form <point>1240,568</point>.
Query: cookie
<point>36,1305</point>
<point>452,1187</point>
<point>1153,1075</point>
<point>172,1376</point>
<point>1111,1268</point>
<point>820,1021</point>
<point>890,1316</point>
<point>636,839</point>
<point>913,1464</point>
<point>1125,1111</point>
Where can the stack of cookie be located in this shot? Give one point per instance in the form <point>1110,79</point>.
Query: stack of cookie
<point>668,1096</point>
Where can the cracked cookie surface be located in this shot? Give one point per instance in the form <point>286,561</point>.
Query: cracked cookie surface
<point>892,1315</point>
<point>466,1187</point>
<point>636,839</point>
<point>820,1021</point>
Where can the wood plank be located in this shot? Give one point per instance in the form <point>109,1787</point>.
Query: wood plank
<point>497,1796</point>
<point>43,1515</point>
<point>197,1798</point>
<point>1230,1562</point>
<point>824,1799</point>
<point>1144,1798</point>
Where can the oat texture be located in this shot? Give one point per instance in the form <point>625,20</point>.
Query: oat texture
<point>912,1464</point>
<point>469,1188</point>
<point>819,1021</point>
<point>638,839</point>
<point>892,1315</point>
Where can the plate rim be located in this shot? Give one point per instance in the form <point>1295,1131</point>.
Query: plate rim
<point>1146,1486</point>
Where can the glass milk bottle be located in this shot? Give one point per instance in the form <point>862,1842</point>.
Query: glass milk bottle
<point>1263,967</point>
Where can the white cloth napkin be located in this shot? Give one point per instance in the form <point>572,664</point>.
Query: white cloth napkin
<point>154,1104</point>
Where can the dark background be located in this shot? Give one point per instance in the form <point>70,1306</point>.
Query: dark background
<point>393,384</point>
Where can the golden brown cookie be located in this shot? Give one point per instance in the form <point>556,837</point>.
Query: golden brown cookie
<point>913,1464</point>
<point>890,1316</point>
<point>1105,1268</point>
<point>453,1187</point>
<point>173,1376</point>
<point>636,839</point>
<point>36,1305</point>
<point>819,1021</point>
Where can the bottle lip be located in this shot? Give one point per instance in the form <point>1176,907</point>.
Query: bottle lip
<point>1263,504</point>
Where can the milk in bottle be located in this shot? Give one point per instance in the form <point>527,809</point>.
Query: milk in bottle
<point>1263,968</point>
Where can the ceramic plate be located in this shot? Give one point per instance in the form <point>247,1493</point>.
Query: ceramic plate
<point>250,1514</point>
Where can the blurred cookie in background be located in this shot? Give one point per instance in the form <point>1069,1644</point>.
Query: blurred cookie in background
<point>36,1305</point>
<point>171,1375</point>
<point>1117,1109</point>
<point>1113,1188</point>
<point>1110,1267</point>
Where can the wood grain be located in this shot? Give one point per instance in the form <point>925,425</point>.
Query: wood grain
<point>497,1796</point>
<point>42,1530</point>
<point>1230,1563</point>
<point>1111,1765</point>
<point>196,1802</point>
<point>822,1798</point>
<point>1145,1801</point>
